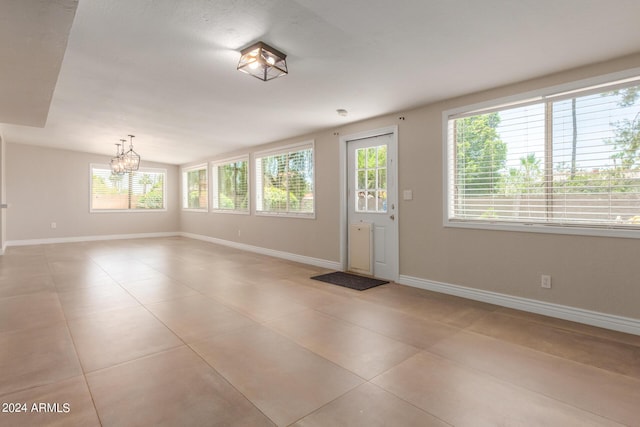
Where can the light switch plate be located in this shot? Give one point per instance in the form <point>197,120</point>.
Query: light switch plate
<point>407,195</point>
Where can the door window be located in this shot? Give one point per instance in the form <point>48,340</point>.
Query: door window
<point>371,179</point>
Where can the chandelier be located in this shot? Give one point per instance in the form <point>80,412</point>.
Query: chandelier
<point>262,61</point>
<point>125,161</point>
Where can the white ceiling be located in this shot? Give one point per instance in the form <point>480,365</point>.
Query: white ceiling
<point>33,38</point>
<point>165,70</point>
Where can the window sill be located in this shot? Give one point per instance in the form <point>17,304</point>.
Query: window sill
<point>287,215</point>
<point>229,211</point>
<point>547,229</point>
<point>101,211</point>
<point>195,210</point>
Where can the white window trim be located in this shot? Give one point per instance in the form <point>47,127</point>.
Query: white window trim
<point>281,150</point>
<point>183,186</point>
<point>213,185</point>
<point>558,92</point>
<point>142,169</point>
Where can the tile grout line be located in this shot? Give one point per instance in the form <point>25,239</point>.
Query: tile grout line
<point>429,349</point>
<point>230,383</point>
<point>468,330</point>
<point>186,345</point>
<point>523,387</point>
<point>75,349</point>
<point>569,329</point>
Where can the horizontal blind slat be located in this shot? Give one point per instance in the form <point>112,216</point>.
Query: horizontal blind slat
<point>593,175</point>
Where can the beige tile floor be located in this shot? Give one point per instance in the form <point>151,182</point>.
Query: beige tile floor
<point>179,332</point>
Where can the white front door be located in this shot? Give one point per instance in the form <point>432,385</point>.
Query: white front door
<point>371,193</point>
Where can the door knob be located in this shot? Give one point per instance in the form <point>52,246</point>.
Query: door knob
<point>393,217</point>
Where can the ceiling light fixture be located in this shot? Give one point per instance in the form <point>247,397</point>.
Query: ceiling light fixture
<point>262,61</point>
<point>125,162</point>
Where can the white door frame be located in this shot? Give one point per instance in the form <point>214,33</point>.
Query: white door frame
<point>344,206</point>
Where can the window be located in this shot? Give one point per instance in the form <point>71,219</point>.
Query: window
<point>569,160</point>
<point>284,181</point>
<point>230,186</point>
<point>371,179</point>
<point>143,190</point>
<point>195,188</point>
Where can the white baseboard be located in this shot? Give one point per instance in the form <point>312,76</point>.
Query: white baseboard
<point>75,239</point>
<point>333,265</point>
<point>242,246</point>
<point>594,318</point>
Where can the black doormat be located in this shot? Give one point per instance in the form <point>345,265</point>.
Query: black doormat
<point>350,281</point>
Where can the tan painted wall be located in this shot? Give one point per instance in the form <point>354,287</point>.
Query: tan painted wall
<point>3,195</point>
<point>317,238</point>
<point>47,185</point>
<point>593,273</point>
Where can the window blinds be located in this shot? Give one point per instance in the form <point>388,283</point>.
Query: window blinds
<point>140,190</point>
<point>195,188</point>
<point>573,161</point>
<point>231,186</point>
<point>284,181</point>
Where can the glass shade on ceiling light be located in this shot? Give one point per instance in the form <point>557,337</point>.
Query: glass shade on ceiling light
<point>125,162</point>
<point>263,61</point>
<point>131,158</point>
<point>117,162</point>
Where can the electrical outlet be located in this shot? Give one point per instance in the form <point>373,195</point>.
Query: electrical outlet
<point>545,281</point>
<point>54,225</point>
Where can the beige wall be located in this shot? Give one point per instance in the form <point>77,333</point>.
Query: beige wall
<point>593,273</point>
<point>3,196</point>
<point>48,185</point>
<point>316,238</point>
